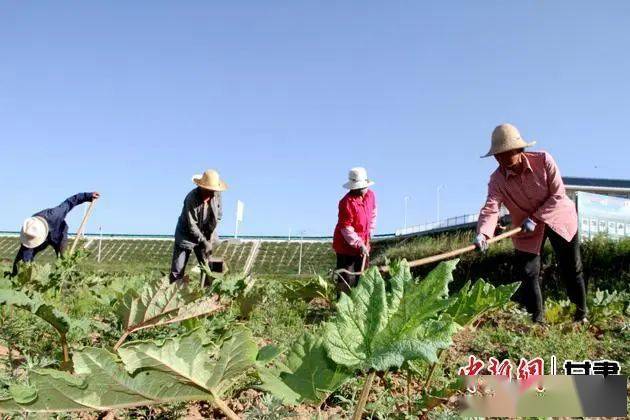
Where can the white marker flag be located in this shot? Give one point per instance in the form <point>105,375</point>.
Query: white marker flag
<point>240,208</point>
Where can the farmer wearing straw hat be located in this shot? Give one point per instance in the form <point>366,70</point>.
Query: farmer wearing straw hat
<point>48,227</point>
<point>357,220</point>
<point>196,227</point>
<point>530,186</point>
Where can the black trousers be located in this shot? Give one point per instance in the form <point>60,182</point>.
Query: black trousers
<point>351,263</point>
<point>571,273</point>
<point>180,259</point>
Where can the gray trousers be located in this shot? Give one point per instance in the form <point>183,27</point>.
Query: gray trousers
<point>180,259</point>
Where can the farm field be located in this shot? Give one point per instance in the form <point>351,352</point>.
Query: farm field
<point>140,254</point>
<point>280,331</point>
<point>283,258</point>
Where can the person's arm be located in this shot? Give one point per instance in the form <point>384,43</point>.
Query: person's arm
<point>347,230</point>
<point>556,190</point>
<point>69,203</point>
<point>191,220</point>
<point>24,254</point>
<point>489,213</point>
<point>373,219</point>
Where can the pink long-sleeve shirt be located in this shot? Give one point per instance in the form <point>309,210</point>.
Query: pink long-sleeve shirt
<point>538,192</point>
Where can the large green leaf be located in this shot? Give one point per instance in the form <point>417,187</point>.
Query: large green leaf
<point>177,369</point>
<point>185,359</point>
<point>310,375</point>
<point>360,317</point>
<point>36,305</point>
<point>160,302</point>
<point>375,329</point>
<point>470,302</point>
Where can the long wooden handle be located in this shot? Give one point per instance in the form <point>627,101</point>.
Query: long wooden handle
<point>82,225</point>
<point>455,253</point>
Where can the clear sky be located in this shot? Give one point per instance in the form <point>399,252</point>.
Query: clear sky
<point>283,97</point>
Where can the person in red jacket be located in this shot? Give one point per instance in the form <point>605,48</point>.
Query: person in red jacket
<point>357,220</point>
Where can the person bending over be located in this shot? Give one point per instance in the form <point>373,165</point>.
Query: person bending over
<point>48,228</point>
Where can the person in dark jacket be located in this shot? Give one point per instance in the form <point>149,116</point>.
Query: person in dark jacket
<point>48,227</point>
<point>196,229</point>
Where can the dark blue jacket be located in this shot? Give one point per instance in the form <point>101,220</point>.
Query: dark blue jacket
<point>57,228</point>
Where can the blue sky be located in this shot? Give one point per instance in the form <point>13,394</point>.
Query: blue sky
<point>132,98</point>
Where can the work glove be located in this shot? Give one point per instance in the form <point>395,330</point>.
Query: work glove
<point>528,225</point>
<point>481,242</point>
<point>364,250</point>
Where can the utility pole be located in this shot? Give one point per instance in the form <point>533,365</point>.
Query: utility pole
<point>240,207</point>
<point>301,248</point>
<point>100,243</point>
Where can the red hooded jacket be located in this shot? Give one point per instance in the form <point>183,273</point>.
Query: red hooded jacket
<point>357,219</point>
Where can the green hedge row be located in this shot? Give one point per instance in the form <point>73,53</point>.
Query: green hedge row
<point>606,262</point>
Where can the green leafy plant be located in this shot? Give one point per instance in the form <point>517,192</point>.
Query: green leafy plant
<point>376,330</point>
<point>558,311</point>
<point>33,277</point>
<point>184,368</point>
<point>604,305</point>
<point>308,374</point>
<point>160,303</point>
<point>239,289</point>
<point>66,270</point>
<point>226,285</point>
<point>470,303</point>
<point>36,305</point>
<point>309,288</point>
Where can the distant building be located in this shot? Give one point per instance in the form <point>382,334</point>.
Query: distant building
<point>612,187</point>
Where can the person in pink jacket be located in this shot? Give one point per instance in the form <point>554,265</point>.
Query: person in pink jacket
<point>529,185</point>
<point>356,222</point>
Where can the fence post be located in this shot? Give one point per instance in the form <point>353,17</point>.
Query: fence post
<point>100,243</point>
<point>301,247</point>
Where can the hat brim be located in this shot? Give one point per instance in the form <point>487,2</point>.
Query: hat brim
<point>358,185</point>
<point>221,187</point>
<point>520,146</point>
<point>35,242</point>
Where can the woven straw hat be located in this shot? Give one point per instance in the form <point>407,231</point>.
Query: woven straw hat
<point>210,180</point>
<point>506,137</point>
<point>357,179</point>
<point>34,232</point>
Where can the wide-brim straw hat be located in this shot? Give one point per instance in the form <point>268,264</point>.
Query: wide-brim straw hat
<point>358,179</point>
<point>34,232</point>
<point>210,180</point>
<point>506,137</point>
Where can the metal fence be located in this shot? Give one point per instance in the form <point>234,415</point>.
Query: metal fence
<point>451,222</point>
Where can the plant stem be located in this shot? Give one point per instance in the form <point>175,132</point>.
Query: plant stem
<point>409,391</point>
<point>441,353</point>
<point>10,342</point>
<point>121,340</point>
<point>221,405</point>
<point>64,348</point>
<point>358,412</point>
<point>433,366</point>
